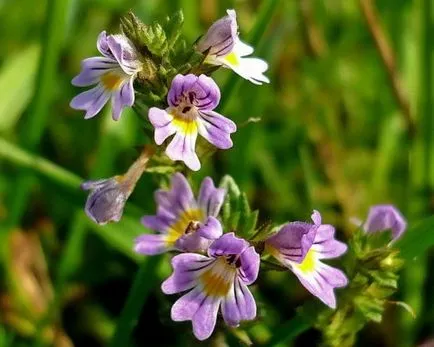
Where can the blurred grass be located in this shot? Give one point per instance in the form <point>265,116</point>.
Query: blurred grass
<point>332,137</point>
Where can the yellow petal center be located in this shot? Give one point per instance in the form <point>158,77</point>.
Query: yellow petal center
<point>232,59</point>
<point>308,263</point>
<point>181,226</point>
<point>111,80</point>
<point>217,280</point>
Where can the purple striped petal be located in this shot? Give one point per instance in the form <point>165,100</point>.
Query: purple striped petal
<point>205,318</point>
<point>210,198</point>
<point>151,244</point>
<point>227,245</point>
<point>121,98</point>
<point>92,101</point>
<point>182,147</point>
<point>211,229</point>
<point>162,122</point>
<point>216,129</point>
<point>249,265</point>
<point>238,305</point>
<point>92,69</point>
<point>102,45</point>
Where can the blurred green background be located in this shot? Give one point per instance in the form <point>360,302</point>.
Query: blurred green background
<point>346,122</point>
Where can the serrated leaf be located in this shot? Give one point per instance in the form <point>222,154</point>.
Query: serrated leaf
<point>173,28</point>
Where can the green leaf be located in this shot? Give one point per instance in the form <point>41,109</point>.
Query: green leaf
<point>17,83</point>
<point>417,239</point>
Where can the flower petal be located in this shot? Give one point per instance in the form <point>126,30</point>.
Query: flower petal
<point>186,268</point>
<point>92,69</point>
<point>124,52</point>
<point>249,269</point>
<point>102,45</point>
<point>211,229</point>
<point>228,244</point>
<point>187,305</point>
<point>238,305</point>
<point>216,129</point>
<point>210,198</point>
<point>157,223</point>
<point>383,217</point>
<point>182,147</point>
<point>205,318</point>
<point>251,69</point>
<point>123,97</point>
<point>149,244</point>
<point>92,101</point>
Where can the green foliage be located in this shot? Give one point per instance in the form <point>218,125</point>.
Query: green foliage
<point>237,215</point>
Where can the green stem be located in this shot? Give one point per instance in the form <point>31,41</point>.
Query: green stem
<point>34,125</point>
<point>26,160</point>
<point>142,285</point>
<point>289,330</point>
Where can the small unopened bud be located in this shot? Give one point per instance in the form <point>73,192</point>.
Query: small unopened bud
<point>107,198</point>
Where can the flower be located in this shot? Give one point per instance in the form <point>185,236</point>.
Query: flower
<point>300,247</point>
<point>222,46</point>
<point>183,223</point>
<point>219,279</point>
<point>191,100</point>
<point>107,198</point>
<point>382,217</point>
<point>113,74</point>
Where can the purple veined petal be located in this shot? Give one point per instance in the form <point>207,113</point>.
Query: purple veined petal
<point>249,269</point>
<point>102,45</point>
<point>92,101</point>
<point>205,318</point>
<point>122,97</point>
<point>179,85</point>
<point>92,69</point>
<point>213,134</point>
<point>329,249</point>
<point>192,243</point>
<point>228,244</point>
<point>187,305</point>
<point>219,121</point>
<point>383,217</point>
<point>293,240</point>
<point>206,93</point>
<point>211,229</point>
<point>186,268</point>
<point>321,281</point>
<point>210,198</point>
<point>156,223</point>
<point>220,37</point>
<point>167,207</point>
<point>182,147</point>
<point>162,122</point>
<point>180,188</point>
<point>238,305</point>
<point>124,53</point>
<point>149,244</point>
<point>106,203</point>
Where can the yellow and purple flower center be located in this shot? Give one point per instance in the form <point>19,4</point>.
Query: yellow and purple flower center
<point>218,279</point>
<point>308,263</point>
<point>112,80</point>
<point>184,224</point>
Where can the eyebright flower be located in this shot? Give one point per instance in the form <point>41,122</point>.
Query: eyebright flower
<point>222,46</point>
<point>383,217</point>
<point>217,280</point>
<point>107,198</point>
<point>113,74</point>
<point>300,247</point>
<point>191,100</point>
<point>183,223</point>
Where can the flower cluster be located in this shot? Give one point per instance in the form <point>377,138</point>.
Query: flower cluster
<point>191,99</point>
<point>218,250</point>
<point>215,267</point>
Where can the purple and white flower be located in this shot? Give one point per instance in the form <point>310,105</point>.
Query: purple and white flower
<point>182,222</point>
<point>219,279</point>
<point>191,100</point>
<point>223,47</point>
<point>113,74</point>
<point>301,246</point>
<point>383,217</point>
